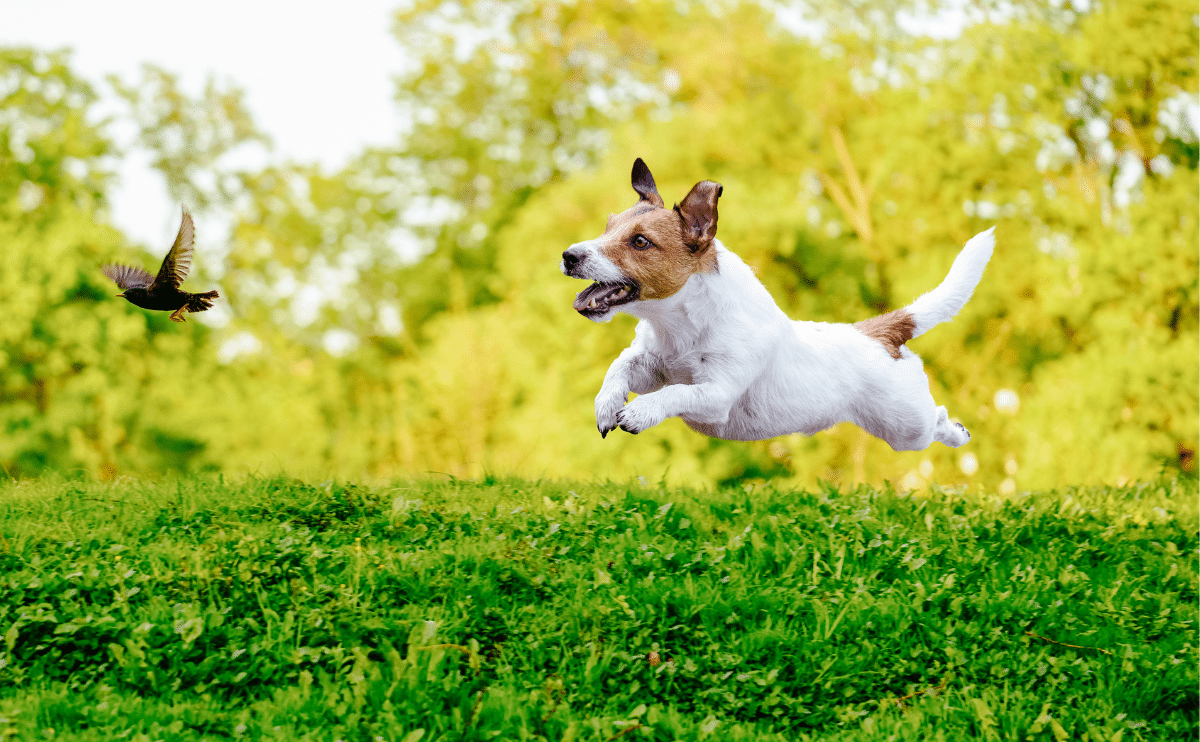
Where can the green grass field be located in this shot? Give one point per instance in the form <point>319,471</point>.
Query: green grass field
<point>508,609</point>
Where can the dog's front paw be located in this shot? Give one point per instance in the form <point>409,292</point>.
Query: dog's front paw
<point>608,406</point>
<point>640,414</point>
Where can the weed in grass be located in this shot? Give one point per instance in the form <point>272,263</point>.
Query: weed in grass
<point>456,610</point>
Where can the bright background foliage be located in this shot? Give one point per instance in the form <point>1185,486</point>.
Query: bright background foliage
<point>406,313</point>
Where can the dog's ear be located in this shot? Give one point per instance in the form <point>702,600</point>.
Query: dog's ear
<point>699,214</point>
<point>643,183</point>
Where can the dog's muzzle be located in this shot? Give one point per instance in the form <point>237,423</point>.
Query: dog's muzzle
<point>602,296</point>
<point>572,259</point>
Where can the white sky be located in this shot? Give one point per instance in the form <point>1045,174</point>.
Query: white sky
<point>317,74</point>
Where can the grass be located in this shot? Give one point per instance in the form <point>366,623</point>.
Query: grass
<point>508,609</point>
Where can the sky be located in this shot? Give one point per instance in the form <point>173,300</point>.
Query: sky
<point>317,74</point>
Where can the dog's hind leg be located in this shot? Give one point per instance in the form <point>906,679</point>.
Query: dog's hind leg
<point>950,433</point>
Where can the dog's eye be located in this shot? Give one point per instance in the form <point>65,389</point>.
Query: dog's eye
<point>640,242</point>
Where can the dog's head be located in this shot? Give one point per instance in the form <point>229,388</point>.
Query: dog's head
<point>646,252</point>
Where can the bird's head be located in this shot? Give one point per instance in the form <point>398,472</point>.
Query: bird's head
<point>133,294</point>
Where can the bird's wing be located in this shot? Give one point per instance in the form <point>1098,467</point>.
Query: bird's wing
<point>177,263</point>
<point>128,278</point>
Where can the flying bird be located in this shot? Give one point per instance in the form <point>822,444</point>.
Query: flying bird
<point>162,292</point>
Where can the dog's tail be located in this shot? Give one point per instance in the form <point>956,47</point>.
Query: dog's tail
<point>943,303</point>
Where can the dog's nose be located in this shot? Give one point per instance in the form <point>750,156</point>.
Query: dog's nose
<point>571,257</point>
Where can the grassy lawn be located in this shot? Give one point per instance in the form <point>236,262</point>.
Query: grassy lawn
<point>509,609</point>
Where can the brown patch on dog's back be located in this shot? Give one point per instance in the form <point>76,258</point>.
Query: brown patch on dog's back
<point>891,330</point>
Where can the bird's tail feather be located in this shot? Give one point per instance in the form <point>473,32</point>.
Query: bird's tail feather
<point>200,302</point>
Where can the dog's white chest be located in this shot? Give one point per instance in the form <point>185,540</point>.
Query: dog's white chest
<point>680,370</point>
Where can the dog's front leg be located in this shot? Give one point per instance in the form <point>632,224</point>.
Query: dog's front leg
<point>709,402</point>
<point>634,371</point>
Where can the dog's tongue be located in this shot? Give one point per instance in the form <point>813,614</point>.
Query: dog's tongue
<point>596,296</point>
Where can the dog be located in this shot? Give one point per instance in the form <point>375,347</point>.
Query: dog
<point>713,348</point>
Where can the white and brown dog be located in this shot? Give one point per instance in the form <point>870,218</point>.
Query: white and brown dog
<point>713,348</point>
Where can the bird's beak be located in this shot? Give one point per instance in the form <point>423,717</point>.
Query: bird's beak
<point>121,295</point>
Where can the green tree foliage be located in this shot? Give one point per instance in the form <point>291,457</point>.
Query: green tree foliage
<point>853,176</point>
<point>190,139</point>
<point>89,383</point>
<point>51,345</point>
<point>407,313</point>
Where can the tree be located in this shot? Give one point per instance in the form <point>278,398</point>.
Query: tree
<point>408,314</point>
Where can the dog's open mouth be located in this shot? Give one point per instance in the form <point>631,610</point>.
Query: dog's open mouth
<point>601,297</point>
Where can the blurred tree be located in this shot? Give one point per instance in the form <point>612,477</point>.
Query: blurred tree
<point>50,181</point>
<point>69,355</point>
<point>866,167</point>
<point>88,383</point>
<point>505,97</point>
<point>406,314</point>
<point>191,140</point>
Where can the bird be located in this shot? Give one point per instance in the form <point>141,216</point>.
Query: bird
<point>162,292</point>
